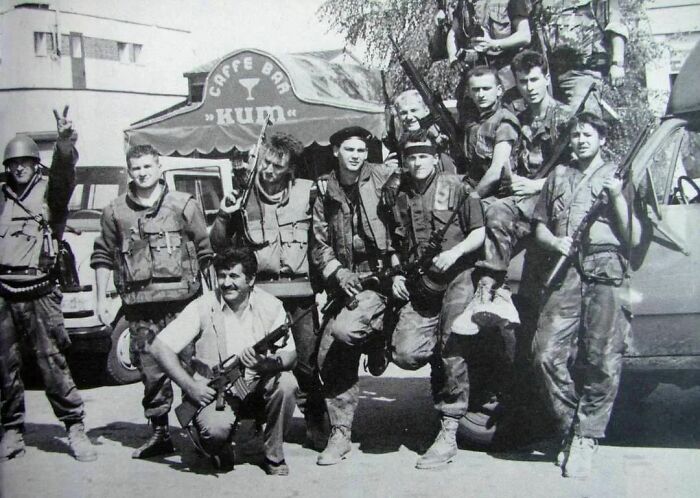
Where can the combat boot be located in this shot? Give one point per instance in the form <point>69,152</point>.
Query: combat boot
<point>466,324</point>
<point>12,445</point>
<point>159,443</point>
<point>580,460</point>
<point>80,446</point>
<point>337,448</point>
<point>499,312</point>
<point>444,448</point>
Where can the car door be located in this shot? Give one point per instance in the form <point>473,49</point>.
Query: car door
<point>665,294</point>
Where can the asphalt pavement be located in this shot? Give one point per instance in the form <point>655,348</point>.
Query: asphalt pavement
<point>652,450</point>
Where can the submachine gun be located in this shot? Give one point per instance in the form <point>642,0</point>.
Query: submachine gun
<point>228,376</point>
<point>581,230</point>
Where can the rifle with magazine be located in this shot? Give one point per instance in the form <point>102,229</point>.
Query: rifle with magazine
<point>228,376</point>
<point>591,216</point>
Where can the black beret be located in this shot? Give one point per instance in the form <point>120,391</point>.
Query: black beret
<point>341,136</point>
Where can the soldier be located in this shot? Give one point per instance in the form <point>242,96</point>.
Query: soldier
<point>349,239</point>
<point>412,112</point>
<point>424,209</point>
<point>276,226</point>
<point>490,145</point>
<point>244,316</point>
<point>33,213</point>
<point>588,313</point>
<point>585,39</point>
<point>508,218</point>
<point>154,241</point>
<point>487,32</point>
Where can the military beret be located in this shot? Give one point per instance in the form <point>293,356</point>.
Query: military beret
<point>341,136</point>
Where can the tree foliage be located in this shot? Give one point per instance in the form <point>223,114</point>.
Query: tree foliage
<point>369,23</point>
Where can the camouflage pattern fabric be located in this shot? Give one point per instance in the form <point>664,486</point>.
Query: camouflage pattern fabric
<point>586,322</point>
<point>36,327</point>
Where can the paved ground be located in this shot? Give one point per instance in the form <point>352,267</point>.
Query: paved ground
<point>652,450</point>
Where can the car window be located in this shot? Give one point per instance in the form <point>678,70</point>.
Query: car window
<point>96,187</point>
<point>205,187</point>
<point>665,165</point>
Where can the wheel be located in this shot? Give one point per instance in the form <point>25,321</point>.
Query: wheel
<point>119,369</point>
<point>477,428</point>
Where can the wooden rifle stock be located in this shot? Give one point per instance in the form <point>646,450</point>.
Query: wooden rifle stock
<point>622,173</point>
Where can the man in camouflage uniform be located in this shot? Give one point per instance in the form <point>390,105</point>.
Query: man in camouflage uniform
<point>350,240</point>
<point>587,314</point>
<point>490,146</point>
<point>154,241</point>
<point>487,32</point>
<point>276,226</point>
<point>508,217</point>
<point>33,213</point>
<point>431,297</point>
<point>585,39</point>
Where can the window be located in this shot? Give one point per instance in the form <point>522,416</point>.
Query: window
<point>43,44</point>
<point>129,53</point>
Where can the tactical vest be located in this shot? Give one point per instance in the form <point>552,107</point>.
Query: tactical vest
<point>480,140</point>
<point>23,255</point>
<point>418,223</point>
<point>156,260</point>
<point>539,138</point>
<point>575,33</point>
<point>285,226</point>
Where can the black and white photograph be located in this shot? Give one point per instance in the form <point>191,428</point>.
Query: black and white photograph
<point>352,248</point>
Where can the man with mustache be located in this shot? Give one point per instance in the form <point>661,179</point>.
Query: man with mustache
<point>350,239</point>
<point>278,220</point>
<point>216,329</point>
<point>154,241</point>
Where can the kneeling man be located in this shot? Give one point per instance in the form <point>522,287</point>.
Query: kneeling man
<point>218,329</point>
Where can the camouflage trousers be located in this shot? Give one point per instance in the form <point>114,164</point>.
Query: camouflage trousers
<point>338,361</point>
<point>572,86</point>
<point>582,327</point>
<point>145,323</point>
<point>507,221</point>
<point>36,327</point>
<point>421,337</point>
<point>273,394</point>
<point>310,396</point>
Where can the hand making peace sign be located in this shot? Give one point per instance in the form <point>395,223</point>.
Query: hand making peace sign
<point>64,125</point>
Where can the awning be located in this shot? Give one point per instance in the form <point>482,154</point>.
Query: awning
<point>305,95</point>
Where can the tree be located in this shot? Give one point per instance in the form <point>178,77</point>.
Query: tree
<point>371,22</point>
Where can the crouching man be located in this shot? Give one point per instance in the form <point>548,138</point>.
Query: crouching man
<point>218,329</point>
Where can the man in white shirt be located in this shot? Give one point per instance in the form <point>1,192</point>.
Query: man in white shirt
<point>232,325</point>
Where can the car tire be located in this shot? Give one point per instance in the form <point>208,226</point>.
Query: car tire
<point>477,429</point>
<point>119,369</point>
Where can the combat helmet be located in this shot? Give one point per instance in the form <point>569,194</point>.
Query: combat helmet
<point>21,146</point>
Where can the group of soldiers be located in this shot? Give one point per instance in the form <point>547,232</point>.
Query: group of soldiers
<point>411,255</point>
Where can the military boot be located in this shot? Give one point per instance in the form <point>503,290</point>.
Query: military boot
<point>159,443</point>
<point>337,448</point>
<point>444,448</point>
<point>580,460</point>
<point>500,312</point>
<point>466,324</point>
<point>80,446</point>
<point>12,444</point>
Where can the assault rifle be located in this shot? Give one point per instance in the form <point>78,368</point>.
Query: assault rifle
<point>622,173</point>
<point>439,114</point>
<point>391,141</point>
<point>564,138</point>
<point>228,376</point>
<point>252,175</point>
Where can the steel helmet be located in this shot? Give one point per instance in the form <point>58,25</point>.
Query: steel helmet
<point>21,146</point>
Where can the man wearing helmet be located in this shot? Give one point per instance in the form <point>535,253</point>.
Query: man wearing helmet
<point>33,212</point>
